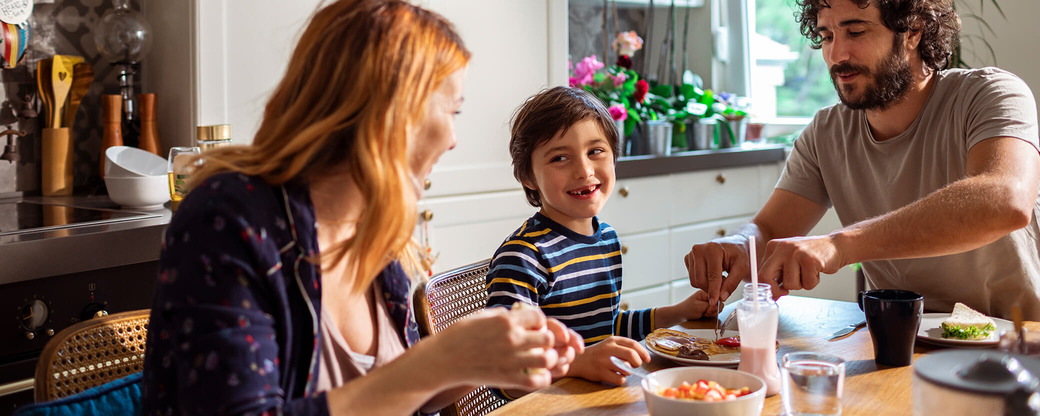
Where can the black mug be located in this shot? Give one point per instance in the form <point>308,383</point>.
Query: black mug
<point>893,318</point>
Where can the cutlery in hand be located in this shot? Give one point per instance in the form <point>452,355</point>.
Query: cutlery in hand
<point>847,330</point>
<point>638,372</point>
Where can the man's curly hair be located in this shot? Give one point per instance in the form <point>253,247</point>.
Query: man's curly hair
<point>936,19</point>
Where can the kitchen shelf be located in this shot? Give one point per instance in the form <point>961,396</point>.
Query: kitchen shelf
<point>657,3</point>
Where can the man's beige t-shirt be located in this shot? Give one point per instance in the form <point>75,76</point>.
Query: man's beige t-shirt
<point>836,161</point>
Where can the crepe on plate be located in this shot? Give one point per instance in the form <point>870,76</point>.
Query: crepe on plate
<point>683,345</point>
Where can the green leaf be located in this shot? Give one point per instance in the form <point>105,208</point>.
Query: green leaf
<point>662,90</point>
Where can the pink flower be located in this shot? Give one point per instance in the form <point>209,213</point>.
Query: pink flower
<point>627,43</point>
<point>584,70</point>
<point>619,79</point>
<point>618,112</point>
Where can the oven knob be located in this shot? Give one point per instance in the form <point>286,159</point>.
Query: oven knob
<point>93,310</point>
<point>29,335</point>
<point>34,315</point>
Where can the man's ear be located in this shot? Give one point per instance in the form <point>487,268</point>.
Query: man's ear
<point>913,40</point>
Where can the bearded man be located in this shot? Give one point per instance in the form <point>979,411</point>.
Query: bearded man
<point>933,172</point>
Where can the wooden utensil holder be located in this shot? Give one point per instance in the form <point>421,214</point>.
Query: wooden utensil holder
<point>56,175</point>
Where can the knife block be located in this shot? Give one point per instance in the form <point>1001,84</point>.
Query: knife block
<point>56,162</point>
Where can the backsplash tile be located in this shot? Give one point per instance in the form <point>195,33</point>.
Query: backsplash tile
<point>60,27</point>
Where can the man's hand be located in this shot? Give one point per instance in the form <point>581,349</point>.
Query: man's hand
<point>706,263</point>
<point>796,263</point>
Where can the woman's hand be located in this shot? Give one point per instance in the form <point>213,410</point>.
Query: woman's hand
<point>568,346</point>
<point>594,364</point>
<point>499,347</point>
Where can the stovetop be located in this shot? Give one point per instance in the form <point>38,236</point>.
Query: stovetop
<point>17,217</point>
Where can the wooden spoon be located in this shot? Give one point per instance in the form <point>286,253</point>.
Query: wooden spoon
<point>43,88</point>
<point>61,82</point>
<point>82,78</point>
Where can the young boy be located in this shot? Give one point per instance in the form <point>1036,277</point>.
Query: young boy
<point>564,145</point>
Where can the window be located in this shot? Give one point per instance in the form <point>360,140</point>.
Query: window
<point>789,80</point>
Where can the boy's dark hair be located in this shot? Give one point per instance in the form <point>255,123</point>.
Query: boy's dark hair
<point>544,115</point>
<point>936,19</point>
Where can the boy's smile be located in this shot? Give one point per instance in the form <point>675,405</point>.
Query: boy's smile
<point>574,175</point>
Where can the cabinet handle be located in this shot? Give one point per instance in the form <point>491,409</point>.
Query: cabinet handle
<point>426,215</point>
<point>623,191</point>
<point>721,178</point>
<point>624,249</point>
<point>426,184</point>
<point>721,232</point>
<point>624,306</point>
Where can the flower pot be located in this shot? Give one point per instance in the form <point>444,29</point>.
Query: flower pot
<point>701,134</point>
<point>659,137</point>
<point>735,134</point>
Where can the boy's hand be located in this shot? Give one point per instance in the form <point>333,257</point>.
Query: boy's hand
<point>595,365</point>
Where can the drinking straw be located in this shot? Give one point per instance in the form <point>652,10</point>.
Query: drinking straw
<point>754,269</point>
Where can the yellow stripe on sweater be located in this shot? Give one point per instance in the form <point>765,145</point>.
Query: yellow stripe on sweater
<point>513,282</point>
<point>521,243</point>
<point>581,301</point>
<point>586,258</point>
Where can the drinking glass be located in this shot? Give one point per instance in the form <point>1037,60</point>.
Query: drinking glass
<point>812,383</point>
<point>179,166</point>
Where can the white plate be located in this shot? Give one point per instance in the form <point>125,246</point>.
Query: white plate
<point>931,332</point>
<point>722,360</point>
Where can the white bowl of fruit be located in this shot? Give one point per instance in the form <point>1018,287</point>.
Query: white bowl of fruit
<point>703,391</point>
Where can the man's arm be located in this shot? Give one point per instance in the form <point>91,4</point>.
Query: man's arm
<point>996,198</point>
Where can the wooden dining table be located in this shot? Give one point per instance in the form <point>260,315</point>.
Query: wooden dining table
<point>805,325</point>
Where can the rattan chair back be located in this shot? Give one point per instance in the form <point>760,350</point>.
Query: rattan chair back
<point>444,299</point>
<point>91,353</point>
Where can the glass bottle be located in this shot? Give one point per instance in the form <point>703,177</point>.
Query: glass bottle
<point>180,164</point>
<point>758,335</point>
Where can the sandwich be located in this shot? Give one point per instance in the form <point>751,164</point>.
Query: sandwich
<point>967,324</point>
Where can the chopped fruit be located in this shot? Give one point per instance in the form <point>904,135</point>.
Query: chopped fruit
<point>704,390</point>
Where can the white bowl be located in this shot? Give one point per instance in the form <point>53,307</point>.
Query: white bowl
<point>124,161</point>
<point>140,192</point>
<point>746,405</point>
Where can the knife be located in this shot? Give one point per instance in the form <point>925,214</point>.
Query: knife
<point>847,330</point>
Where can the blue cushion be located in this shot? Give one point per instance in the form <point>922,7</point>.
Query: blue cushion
<point>117,397</point>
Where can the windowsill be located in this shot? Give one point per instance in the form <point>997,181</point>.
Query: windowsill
<point>780,126</point>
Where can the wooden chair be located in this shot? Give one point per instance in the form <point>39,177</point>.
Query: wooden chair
<point>91,353</point>
<point>444,299</point>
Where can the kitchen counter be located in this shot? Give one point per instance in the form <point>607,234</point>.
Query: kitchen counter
<point>129,237</point>
<point>648,165</point>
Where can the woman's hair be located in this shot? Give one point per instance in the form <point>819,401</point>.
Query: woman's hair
<point>544,115</point>
<point>935,19</point>
<point>355,90</point>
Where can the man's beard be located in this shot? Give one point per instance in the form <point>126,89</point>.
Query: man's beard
<point>891,80</point>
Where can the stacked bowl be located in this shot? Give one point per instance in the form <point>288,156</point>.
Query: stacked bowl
<point>136,179</point>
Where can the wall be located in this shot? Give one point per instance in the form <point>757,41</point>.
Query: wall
<point>1013,38</point>
<point>61,27</point>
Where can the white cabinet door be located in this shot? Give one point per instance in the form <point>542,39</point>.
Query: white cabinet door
<point>464,229</point>
<point>638,205</point>
<point>510,63</point>
<point>715,194</point>
<point>646,298</point>
<point>644,259</point>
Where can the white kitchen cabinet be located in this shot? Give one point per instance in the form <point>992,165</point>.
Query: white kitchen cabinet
<point>467,228</point>
<point>714,194</point>
<point>217,61</point>
<point>645,259</point>
<point>638,205</point>
<point>643,298</point>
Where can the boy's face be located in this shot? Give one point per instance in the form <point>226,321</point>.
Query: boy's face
<point>574,175</point>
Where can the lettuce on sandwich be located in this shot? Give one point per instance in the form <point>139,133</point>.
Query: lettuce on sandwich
<point>967,324</point>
